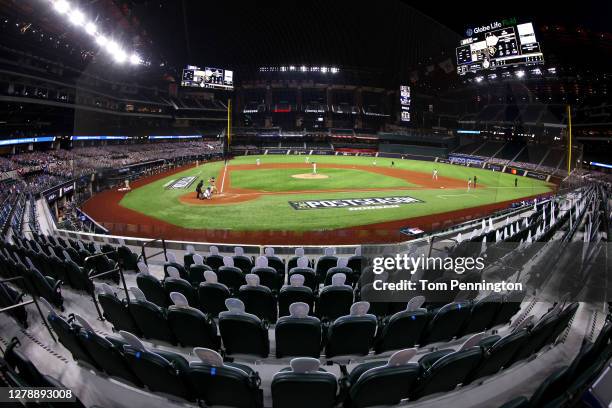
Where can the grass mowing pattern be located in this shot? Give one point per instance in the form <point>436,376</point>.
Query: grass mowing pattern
<point>281,180</point>
<point>272,212</point>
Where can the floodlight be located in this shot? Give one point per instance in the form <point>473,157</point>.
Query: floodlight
<point>61,6</point>
<point>101,40</point>
<point>76,17</point>
<point>135,59</point>
<point>120,56</point>
<point>90,28</point>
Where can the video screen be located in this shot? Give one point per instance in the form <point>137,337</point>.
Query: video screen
<point>215,78</point>
<point>405,103</point>
<point>498,44</point>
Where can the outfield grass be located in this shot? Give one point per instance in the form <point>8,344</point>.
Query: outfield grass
<point>273,212</point>
<point>281,180</point>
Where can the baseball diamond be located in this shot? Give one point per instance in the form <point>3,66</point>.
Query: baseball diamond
<point>267,201</point>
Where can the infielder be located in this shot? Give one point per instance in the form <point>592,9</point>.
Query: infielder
<point>257,162</point>
<point>314,167</point>
<point>469,184</point>
<point>307,159</point>
<point>434,174</point>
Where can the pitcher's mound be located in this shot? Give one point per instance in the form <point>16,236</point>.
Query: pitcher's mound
<point>310,176</point>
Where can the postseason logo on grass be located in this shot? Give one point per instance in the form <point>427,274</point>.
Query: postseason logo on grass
<point>355,203</point>
<point>183,182</point>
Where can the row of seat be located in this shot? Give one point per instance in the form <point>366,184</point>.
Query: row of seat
<point>304,383</point>
<point>299,333</point>
<point>18,371</point>
<point>564,387</point>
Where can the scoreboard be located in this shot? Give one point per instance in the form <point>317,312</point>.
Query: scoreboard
<point>214,78</point>
<point>498,44</point>
<point>405,103</point>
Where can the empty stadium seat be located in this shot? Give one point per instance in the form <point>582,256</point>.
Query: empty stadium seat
<point>159,370</point>
<point>243,333</point>
<point>10,297</point>
<point>383,383</point>
<point>446,322</point>
<point>188,256</point>
<point>258,299</point>
<point>357,262</point>
<point>292,262</point>
<point>352,334</point>
<point>212,294</point>
<point>499,354</point>
<point>150,318</point>
<point>223,384</point>
<point>190,326</point>
<point>197,269</point>
<point>482,314</point>
<point>335,300</point>
<point>309,274</point>
<point>403,329</point>
<point>340,267</point>
<point>446,372</point>
<point>174,283</point>
<point>324,263</point>
<point>242,262</point>
<point>268,276</point>
<point>275,262</point>
<point>214,260</point>
<point>107,356</point>
<point>510,306</point>
<point>67,336</point>
<point>43,286</point>
<point>115,310</point>
<point>151,287</point>
<point>128,259</point>
<point>298,335</point>
<point>172,263</point>
<point>77,275</point>
<point>294,292</point>
<point>304,385</point>
<point>230,276</point>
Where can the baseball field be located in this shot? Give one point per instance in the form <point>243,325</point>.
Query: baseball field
<point>282,193</point>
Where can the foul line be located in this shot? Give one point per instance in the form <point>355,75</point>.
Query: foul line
<point>223,179</point>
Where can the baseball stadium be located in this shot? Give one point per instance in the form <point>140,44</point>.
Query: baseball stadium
<point>322,204</point>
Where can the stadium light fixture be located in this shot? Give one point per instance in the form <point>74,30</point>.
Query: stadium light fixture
<point>520,74</point>
<point>90,28</point>
<point>76,17</point>
<point>61,6</point>
<point>120,56</point>
<point>101,40</point>
<point>135,59</point>
<point>479,79</point>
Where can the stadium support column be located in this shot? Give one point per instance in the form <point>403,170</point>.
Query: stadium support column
<point>228,138</point>
<point>569,139</point>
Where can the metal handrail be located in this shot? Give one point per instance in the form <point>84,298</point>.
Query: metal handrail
<point>27,302</point>
<point>143,254</point>
<point>102,274</point>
